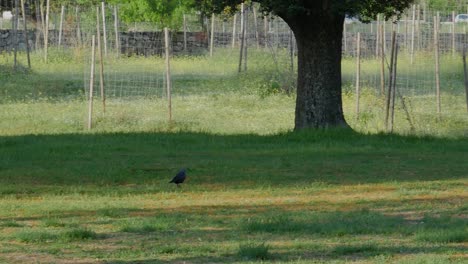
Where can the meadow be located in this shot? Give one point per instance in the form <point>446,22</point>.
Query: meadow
<point>257,192</point>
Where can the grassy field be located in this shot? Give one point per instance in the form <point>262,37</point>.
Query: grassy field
<point>256,192</point>
<point>323,196</point>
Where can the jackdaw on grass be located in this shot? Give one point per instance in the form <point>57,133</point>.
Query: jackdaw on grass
<point>179,178</point>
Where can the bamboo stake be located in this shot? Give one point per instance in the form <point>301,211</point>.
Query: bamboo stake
<point>168,73</point>
<point>101,61</point>
<point>28,50</point>
<point>437,66</point>
<point>91,84</point>
<point>104,27</point>
<point>358,73</point>
<point>62,13</point>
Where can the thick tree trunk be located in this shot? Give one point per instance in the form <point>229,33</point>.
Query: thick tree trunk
<point>319,103</point>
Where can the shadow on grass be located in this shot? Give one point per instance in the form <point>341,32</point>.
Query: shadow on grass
<point>230,161</point>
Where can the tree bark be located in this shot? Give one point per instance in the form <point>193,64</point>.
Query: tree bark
<point>319,42</point>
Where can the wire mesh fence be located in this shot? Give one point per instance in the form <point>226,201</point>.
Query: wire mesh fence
<point>247,52</point>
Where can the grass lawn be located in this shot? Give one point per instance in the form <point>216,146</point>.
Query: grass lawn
<point>256,192</point>
<point>329,196</point>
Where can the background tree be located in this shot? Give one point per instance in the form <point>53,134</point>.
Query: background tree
<point>318,28</point>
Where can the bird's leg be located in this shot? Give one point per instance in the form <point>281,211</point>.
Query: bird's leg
<point>178,185</point>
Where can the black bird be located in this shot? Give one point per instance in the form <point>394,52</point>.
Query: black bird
<point>179,178</point>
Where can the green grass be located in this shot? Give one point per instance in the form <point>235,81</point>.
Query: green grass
<point>314,196</point>
<point>256,192</point>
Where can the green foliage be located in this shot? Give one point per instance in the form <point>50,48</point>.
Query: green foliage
<point>291,10</point>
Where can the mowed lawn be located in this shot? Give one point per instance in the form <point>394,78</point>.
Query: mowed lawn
<point>314,196</point>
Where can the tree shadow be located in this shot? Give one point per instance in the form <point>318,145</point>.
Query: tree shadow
<point>228,161</point>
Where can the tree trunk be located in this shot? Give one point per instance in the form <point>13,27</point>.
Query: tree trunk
<point>319,41</point>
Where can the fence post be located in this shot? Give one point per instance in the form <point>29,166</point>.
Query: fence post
<point>168,73</point>
<point>394,76</point>
<point>15,22</point>
<point>382,66</point>
<point>101,61</point>
<point>116,28</point>
<point>465,71</point>
<point>390,82</point>
<point>212,34</point>
<point>437,66</point>
<point>46,37</point>
<point>453,34</point>
<point>26,38</point>
<point>358,72</point>
<point>265,30</point>
<point>62,13</point>
<point>256,27</point>
<point>412,34</point>
<point>91,84</point>
<point>104,31</point>
<point>234,31</point>
<point>185,33</point>
<point>345,39</point>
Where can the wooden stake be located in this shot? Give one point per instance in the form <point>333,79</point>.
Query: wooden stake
<point>15,34</point>
<point>78,26</point>
<point>437,66</point>
<point>465,71</point>
<point>116,29</point>
<point>234,31</point>
<point>26,38</point>
<point>382,66</point>
<point>291,50</point>
<point>212,34</point>
<point>413,25</point>
<point>345,39</point>
<point>358,73</point>
<point>38,24</point>
<point>101,61</point>
<point>46,37</point>
<point>265,31</point>
<point>244,36</point>
<point>185,33</point>
<point>377,36</point>
<point>390,83</point>
<point>62,13</point>
<point>91,84</point>
<point>394,76</point>
<point>453,34</point>
<point>256,27</point>
<point>168,73</point>
<point>104,27</point>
